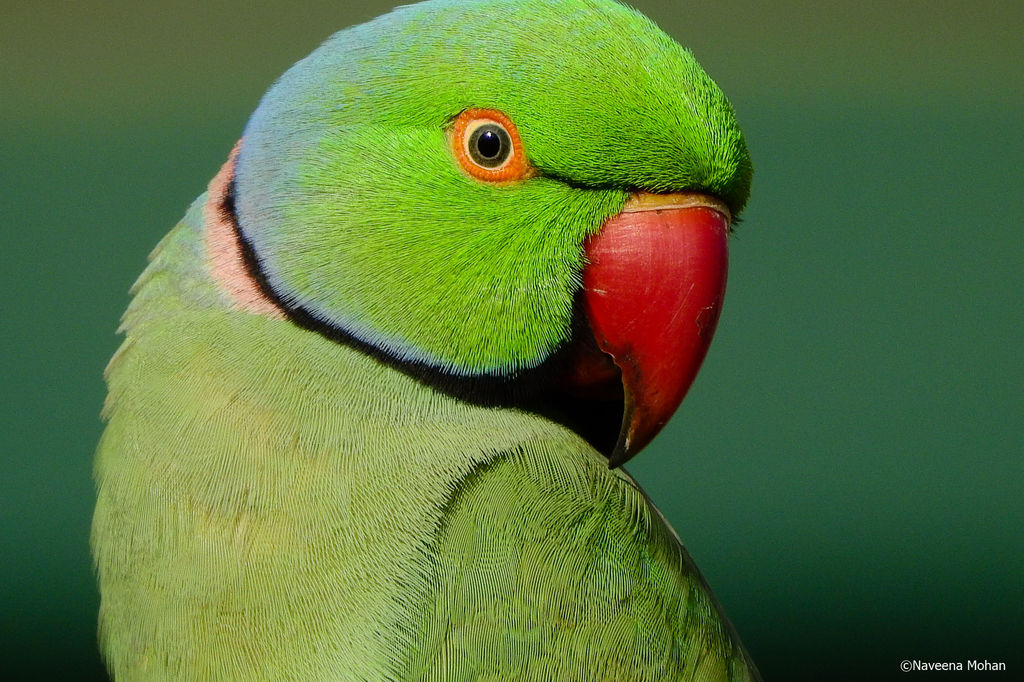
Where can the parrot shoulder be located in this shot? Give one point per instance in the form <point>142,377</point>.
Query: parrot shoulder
<point>548,565</point>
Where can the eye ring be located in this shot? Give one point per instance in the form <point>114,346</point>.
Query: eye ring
<point>487,146</point>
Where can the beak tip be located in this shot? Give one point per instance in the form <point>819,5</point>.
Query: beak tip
<point>622,452</point>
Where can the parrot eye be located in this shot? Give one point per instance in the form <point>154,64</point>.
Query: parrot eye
<point>487,146</point>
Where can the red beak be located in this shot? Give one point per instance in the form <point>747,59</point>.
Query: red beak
<point>653,290</point>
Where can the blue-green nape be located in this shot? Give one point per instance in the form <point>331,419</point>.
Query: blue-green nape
<point>358,218</point>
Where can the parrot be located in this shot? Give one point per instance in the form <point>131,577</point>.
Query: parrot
<point>375,390</point>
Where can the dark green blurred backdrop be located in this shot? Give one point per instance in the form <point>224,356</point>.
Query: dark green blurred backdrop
<point>848,468</point>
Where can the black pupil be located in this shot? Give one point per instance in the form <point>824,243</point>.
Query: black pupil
<point>490,145</point>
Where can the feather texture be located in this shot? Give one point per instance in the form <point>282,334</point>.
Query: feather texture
<point>278,499</point>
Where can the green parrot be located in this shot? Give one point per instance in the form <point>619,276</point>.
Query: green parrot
<point>368,417</point>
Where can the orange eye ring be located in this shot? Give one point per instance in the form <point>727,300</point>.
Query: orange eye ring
<point>487,146</point>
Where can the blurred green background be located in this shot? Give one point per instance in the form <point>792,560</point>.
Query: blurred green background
<point>847,470</point>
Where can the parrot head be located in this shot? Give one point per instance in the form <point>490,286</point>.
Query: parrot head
<point>522,202</point>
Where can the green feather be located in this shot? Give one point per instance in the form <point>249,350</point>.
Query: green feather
<point>344,175</point>
<point>278,504</point>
